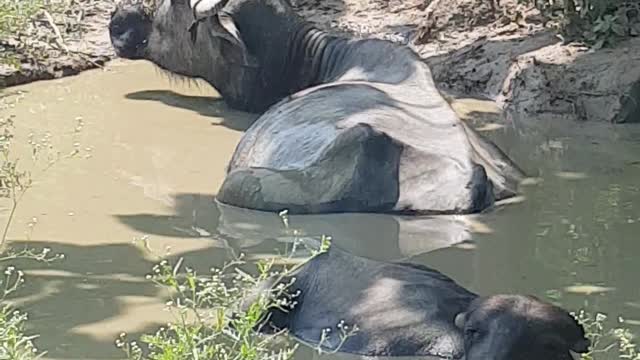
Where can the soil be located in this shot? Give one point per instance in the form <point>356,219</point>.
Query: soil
<point>498,50</point>
<point>39,53</point>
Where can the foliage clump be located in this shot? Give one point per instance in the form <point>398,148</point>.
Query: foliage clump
<point>34,30</point>
<point>600,23</point>
<point>204,326</point>
<point>15,343</point>
<point>217,315</point>
<point>607,340</point>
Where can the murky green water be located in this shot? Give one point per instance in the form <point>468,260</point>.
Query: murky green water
<point>154,154</point>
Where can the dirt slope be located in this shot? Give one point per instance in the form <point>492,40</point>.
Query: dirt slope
<point>474,47</point>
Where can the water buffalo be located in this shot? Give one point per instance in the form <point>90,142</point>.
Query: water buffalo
<point>404,309</point>
<point>349,125</point>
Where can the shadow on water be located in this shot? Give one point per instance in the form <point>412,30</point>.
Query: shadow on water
<point>204,105</point>
<point>557,239</point>
<point>105,285</point>
<point>98,302</point>
<point>195,216</point>
<point>64,298</point>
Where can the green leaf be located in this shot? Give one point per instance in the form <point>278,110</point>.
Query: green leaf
<point>599,44</point>
<point>619,29</point>
<point>598,26</point>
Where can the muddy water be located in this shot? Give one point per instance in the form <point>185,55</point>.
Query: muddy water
<point>152,153</point>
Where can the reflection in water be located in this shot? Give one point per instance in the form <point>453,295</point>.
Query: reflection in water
<point>156,163</point>
<point>376,236</point>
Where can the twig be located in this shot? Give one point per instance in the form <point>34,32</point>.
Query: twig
<point>431,8</point>
<point>56,31</point>
<point>89,58</point>
<point>424,31</point>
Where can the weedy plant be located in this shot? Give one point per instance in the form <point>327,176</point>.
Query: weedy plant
<point>217,315</point>
<point>14,342</point>
<point>16,18</point>
<point>606,341</point>
<point>214,320</point>
<point>15,15</point>
<point>599,23</point>
<point>210,319</point>
<point>34,30</point>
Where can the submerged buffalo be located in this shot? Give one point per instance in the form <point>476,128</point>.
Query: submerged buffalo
<point>349,125</point>
<point>403,309</point>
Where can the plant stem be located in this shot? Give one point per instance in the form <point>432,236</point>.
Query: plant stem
<point>8,223</point>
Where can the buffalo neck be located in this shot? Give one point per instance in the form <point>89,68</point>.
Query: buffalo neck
<point>292,54</point>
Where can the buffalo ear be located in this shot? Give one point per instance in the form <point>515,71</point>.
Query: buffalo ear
<point>223,26</point>
<point>206,8</point>
<point>581,346</point>
<point>229,26</point>
<point>460,320</point>
<point>578,343</point>
<point>572,333</point>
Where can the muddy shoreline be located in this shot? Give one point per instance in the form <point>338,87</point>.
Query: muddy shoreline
<point>505,55</point>
<point>57,44</point>
<point>472,52</point>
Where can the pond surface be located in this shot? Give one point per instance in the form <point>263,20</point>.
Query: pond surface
<point>152,153</point>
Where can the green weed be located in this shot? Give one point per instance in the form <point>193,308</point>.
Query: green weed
<point>216,316</point>
<point>605,340</point>
<point>33,30</point>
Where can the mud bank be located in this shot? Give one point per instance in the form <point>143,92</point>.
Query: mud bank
<point>500,52</point>
<point>539,76</point>
<point>474,47</point>
<point>57,43</point>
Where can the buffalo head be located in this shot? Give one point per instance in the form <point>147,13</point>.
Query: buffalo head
<point>192,38</point>
<point>515,327</point>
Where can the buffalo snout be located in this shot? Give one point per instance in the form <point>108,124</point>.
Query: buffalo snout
<point>129,30</point>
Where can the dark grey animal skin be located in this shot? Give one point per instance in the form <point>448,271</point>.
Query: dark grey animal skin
<point>403,309</point>
<point>350,125</point>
